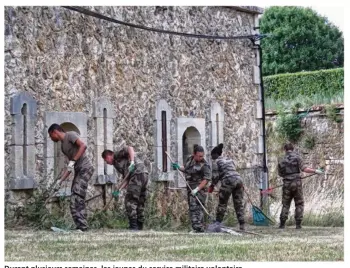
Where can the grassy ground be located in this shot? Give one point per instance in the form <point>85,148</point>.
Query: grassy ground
<point>308,244</point>
<point>305,102</point>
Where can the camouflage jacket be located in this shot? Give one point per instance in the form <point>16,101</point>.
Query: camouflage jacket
<point>122,163</point>
<point>196,172</point>
<point>290,166</point>
<point>224,169</point>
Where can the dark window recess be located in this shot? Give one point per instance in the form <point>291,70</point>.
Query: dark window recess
<point>164,142</point>
<point>217,129</point>
<point>104,138</point>
<point>24,113</point>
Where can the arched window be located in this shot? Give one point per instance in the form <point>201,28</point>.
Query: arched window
<point>23,153</point>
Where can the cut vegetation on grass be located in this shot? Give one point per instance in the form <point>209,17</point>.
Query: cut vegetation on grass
<point>308,244</point>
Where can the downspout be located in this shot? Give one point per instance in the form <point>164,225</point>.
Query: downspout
<point>264,184</point>
<point>265,181</point>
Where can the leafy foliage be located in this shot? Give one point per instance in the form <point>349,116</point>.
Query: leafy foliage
<point>288,126</point>
<point>309,142</point>
<point>306,84</point>
<point>302,41</point>
<point>332,113</point>
<point>37,215</point>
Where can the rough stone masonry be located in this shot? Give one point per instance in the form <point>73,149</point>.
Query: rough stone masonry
<point>115,84</point>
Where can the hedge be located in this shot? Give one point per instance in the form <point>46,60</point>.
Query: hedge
<point>288,86</point>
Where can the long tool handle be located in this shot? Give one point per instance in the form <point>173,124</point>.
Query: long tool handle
<point>182,176</point>
<point>52,186</point>
<point>92,198</point>
<point>267,191</point>
<point>121,183</point>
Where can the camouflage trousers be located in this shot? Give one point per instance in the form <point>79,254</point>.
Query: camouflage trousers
<point>230,187</point>
<point>78,193</point>
<point>292,189</point>
<point>136,196</point>
<point>195,209</point>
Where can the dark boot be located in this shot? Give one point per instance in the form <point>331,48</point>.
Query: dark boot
<point>282,225</point>
<point>133,225</point>
<point>242,226</point>
<point>298,225</point>
<point>140,225</point>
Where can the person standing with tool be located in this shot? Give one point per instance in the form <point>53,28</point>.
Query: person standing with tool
<point>125,161</point>
<point>197,174</point>
<point>74,148</point>
<point>289,168</point>
<point>231,184</point>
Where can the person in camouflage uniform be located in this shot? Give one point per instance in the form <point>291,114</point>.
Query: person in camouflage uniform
<point>231,184</point>
<point>125,161</point>
<point>74,148</point>
<point>198,174</point>
<point>289,168</point>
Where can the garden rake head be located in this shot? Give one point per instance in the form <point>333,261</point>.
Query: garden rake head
<point>260,218</point>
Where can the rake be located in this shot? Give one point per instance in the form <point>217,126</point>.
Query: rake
<point>211,226</point>
<point>268,191</point>
<point>259,217</point>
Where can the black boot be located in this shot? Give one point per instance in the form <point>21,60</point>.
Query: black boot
<point>133,225</point>
<point>298,225</point>
<point>242,226</point>
<point>282,225</point>
<point>140,225</point>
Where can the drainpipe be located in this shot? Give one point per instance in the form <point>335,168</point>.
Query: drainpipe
<point>265,182</point>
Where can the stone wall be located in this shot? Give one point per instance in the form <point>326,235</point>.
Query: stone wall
<point>324,194</point>
<point>94,75</point>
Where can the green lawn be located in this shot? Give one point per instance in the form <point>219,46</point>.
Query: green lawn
<point>308,244</point>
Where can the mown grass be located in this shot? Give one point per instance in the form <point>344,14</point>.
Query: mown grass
<point>308,244</point>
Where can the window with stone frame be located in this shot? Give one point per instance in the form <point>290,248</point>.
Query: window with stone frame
<point>23,152</point>
<point>162,139</point>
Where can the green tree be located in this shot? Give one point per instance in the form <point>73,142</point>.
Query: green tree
<point>302,41</point>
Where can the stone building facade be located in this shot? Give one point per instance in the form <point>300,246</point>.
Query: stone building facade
<point>117,85</point>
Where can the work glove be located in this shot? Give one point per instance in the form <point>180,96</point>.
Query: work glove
<point>115,194</point>
<point>319,171</point>
<point>132,166</point>
<point>175,166</point>
<point>211,189</point>
<point>70,166</point>
<point>195,191</point>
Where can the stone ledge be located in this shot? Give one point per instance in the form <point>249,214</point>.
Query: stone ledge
<point>164,176</point>
<point>315,108</point>
<point>105,179</point>
<point>23,184</point>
